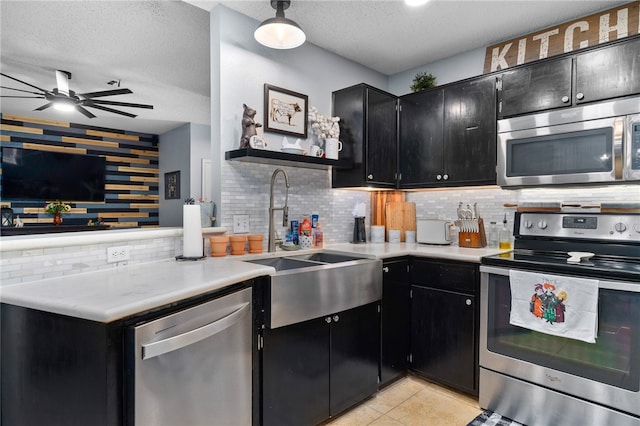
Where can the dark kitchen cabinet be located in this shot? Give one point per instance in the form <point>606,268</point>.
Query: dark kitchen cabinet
<point>318,368</point>
<point>444,322</point>
<point>59,370</point>
<point>607,73</point>
<point>601,73</point>
<point>537,87</point>
<point>448,135</point>
<point>395,320</point>
<point>368,132</point>
<point>421,138</point>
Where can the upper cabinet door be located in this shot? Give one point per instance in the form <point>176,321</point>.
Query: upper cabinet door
<point>608,73</point>
<point>382,137</point>
<point>470,132</point>
<point>421,138</point>
<point>534,88</point>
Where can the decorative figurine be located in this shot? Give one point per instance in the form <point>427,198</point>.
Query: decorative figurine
<point>248,126</point>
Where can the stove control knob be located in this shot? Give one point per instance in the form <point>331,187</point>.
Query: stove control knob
<point>527,224</point>
<point>620,227</point>
<point>637,227</point>
<point>542,224</point>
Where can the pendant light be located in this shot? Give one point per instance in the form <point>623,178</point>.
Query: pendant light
<point>280,32</point>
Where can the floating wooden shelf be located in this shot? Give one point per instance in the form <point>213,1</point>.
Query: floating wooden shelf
<point>283,159</point>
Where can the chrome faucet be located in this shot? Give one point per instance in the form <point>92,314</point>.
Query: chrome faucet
<point>285,209</point>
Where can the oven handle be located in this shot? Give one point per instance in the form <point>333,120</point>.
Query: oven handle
<point>618,136</point>
<point>605,284</point>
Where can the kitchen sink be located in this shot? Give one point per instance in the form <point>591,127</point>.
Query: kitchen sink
<point>310,286</point>
<point>283,263</point>
<point>325,257</point>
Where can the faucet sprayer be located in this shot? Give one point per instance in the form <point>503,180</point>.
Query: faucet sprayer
<point>285,208</point>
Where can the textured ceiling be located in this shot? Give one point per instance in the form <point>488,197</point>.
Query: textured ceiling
<point>160,49</point>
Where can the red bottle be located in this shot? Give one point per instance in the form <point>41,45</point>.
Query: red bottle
<point>305,226</point>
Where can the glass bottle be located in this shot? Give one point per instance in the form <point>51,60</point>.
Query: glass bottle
<point>505,235</point>
<point>493,234</point>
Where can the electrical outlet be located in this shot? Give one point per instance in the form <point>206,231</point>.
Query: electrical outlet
<point>117,254</point>
<point>240,223</point>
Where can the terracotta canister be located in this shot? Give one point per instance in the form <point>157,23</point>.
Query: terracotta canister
<point>255,243</point>
<point>237,244</point>
<point>219,245</point>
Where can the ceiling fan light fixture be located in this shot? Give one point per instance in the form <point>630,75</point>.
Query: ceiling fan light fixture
<point>280,32</point>
<point>415,3</point>
<point>65,105</point>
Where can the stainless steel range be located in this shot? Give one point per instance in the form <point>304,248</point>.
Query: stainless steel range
<point>539,378</point>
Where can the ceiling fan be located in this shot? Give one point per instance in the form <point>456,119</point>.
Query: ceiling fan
<point>63,98</point>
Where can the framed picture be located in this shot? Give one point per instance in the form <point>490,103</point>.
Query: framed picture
<point>285,111</point>
<point>172,185</point>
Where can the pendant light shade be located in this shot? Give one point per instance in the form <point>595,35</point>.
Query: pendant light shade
<point>280,32</point>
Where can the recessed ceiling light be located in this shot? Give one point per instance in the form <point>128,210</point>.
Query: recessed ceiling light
<point>415,2</point>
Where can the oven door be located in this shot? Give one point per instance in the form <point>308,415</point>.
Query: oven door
<point>581,152</point>
<point>606,372</point>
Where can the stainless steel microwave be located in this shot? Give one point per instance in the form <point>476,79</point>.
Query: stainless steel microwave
<point>597,143</point>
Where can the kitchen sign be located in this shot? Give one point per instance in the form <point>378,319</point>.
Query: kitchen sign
<point>612,24</point>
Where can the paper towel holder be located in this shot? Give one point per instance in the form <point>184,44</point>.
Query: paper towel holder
<point>190,201</point>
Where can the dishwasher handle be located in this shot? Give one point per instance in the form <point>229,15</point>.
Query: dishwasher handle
<point>161,347</point>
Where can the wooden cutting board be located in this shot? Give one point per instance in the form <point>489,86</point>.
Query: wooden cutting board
<point>400,215</point>
<point>379,200</point>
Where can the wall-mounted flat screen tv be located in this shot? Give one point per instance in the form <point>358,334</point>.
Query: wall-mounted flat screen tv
<point>29,174</point>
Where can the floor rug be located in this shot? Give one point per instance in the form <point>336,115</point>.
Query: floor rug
<point>489,418</point>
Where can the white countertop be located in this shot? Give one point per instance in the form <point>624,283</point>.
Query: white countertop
<point>109,295</point>
<point>113,294</point>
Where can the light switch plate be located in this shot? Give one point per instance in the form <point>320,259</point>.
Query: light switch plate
<point>240,223</point>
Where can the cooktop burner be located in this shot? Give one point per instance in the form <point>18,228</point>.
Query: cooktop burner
<point>598,266</point>
<point>543,241</point>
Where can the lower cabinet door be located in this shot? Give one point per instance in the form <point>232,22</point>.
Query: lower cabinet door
<point>442,339</point>
<point>355,349</point>
<point>395,330</point>
<point>295,386</point>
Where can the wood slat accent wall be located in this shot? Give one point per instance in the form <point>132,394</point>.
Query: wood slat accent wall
<point>132,176</point>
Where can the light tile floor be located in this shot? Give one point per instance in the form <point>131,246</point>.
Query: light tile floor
<point>412,401</point>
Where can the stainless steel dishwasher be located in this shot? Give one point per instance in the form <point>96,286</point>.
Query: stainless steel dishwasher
<point>193,367</point>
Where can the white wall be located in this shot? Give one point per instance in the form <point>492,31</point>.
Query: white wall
<point>239,69</point>
<point>174,154</point>
<point>458,67</point>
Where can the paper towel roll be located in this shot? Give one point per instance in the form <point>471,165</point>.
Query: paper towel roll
<point>191,231</point>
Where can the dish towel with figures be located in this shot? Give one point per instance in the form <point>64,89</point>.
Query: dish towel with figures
<point>553,304</point>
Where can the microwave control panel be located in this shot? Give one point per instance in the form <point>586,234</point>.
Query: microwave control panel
<point>609,227</point>
<point>635,146</point>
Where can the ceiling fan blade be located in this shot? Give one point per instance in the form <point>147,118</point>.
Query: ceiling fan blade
<point>43,107</point>
<point>27,97</point>
<point>62,80</point>
<point>20,90</point>
<point>23,82</point>
<point>85,112</point>
<point>115,111</point>
<point>105,93</point>
<point>125,104</point>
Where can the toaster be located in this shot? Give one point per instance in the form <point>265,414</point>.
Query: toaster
<point>434,231</point>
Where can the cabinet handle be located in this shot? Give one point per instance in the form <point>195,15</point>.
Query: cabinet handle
<point>565,99</point>
<point>328,319</point>
<point>580,96</point>
<point>336,318</point>
<point>468,302</point>
<point>445,177</point>
<point>438,177</point>
<point>370,177</point>
<point>385,269</point>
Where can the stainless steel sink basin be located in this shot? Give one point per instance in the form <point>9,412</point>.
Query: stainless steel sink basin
<point>326,257</point>
<point>283,263</point>
<point>313,285</point>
